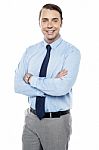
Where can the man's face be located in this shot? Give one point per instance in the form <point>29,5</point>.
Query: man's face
<point>50,23</point>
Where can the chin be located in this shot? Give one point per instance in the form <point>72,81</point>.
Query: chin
<point>50,37</point>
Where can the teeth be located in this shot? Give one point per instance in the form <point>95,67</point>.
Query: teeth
<point>50,32</point>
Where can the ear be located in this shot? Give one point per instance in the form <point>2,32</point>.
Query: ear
<point>39,22</point>
<point>61,24</point>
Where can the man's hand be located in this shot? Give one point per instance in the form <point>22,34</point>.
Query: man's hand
<point>27,77</point>
<point>62,73</point>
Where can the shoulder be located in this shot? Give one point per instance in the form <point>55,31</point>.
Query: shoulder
<point>35,47</point>
<point>32,50</point>
<point>70,48</point>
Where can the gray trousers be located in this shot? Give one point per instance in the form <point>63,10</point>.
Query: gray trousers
<point>46,134</point>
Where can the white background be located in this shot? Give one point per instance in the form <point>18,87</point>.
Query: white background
<point>19,29</point>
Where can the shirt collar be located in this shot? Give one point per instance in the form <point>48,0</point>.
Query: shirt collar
<point>54,44</point>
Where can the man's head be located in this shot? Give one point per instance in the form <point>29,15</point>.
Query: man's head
<point>50,20</point>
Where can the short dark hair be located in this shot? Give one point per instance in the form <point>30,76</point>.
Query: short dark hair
<point>52,7</point>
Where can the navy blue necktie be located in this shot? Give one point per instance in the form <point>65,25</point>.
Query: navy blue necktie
<point>40,101</point>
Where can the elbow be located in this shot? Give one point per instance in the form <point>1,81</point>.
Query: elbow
<point>60,91</point>
<point>64,90</point>
<point>16,88</point>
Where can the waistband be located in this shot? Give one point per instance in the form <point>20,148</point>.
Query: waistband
<point>52,114</point>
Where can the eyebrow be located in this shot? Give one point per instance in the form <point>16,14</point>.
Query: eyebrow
<point>52,18</point>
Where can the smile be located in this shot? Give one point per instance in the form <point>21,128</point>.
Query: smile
<point>50,31</point>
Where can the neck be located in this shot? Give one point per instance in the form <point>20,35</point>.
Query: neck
<point>49,41</point>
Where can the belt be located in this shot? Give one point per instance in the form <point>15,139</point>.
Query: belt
<point>52,114</point>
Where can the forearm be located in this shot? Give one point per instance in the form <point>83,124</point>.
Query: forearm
<point>52,86</point>
<point>23,88</point>
<point>27,90</point>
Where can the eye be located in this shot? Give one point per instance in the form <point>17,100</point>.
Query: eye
<point>44,20</point>
<point>55,20</point>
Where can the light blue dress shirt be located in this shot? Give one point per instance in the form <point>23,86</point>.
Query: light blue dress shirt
<point>58,91</point>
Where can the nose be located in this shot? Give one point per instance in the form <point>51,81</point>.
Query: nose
<point>50,25</point>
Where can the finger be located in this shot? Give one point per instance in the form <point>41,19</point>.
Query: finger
<point>27,75</point>
<point>64,70</point>
<point>25,78</point>
<point>63,73</point>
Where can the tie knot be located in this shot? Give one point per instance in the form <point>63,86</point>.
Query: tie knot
<point>48,47</point>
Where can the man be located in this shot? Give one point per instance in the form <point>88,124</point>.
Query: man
<point>46,74</point>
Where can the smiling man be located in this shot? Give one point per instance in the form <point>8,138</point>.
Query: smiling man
<point>46,74</point>
<point>50,23</point>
